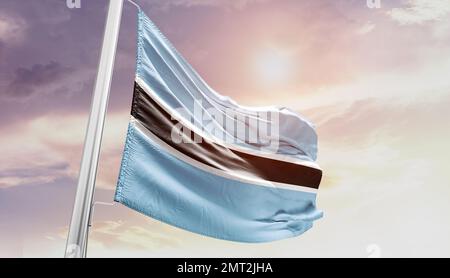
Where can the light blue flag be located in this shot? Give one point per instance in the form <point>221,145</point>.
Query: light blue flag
<point>199,161</point>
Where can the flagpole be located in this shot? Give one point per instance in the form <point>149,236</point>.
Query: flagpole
<point>79,225</point>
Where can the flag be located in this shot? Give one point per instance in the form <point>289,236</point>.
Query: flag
<point>199,161</point>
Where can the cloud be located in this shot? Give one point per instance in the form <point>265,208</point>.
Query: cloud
<point>36,144</point>
<point>27,80</point>
<point>48,148</point>
<point>44,173</point>
<point>428,80</point>
<point>372,118</point>
<point>379,141</point>
<point>12,29</point>
<point>60,12</point>
<point>421,11</point>
<point>235,4</point>
<point>112,236</point>
<point>119,232</point>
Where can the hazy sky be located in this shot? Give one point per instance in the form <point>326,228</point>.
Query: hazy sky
<point>376,82</point>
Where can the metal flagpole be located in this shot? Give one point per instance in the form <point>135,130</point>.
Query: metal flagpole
<point>79,224</point>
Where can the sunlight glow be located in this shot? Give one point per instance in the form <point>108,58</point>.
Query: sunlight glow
<point>273,65</point>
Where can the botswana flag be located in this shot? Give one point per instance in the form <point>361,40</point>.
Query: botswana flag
<point>199,161</point>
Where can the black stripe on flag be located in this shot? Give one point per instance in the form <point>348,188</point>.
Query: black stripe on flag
<point>154,118</point>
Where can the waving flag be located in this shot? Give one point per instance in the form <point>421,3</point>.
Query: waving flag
<point>199,161</point>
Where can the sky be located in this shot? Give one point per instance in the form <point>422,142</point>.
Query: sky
<point>375,81</point>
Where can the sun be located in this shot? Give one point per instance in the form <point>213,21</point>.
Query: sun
<point>273,65</point>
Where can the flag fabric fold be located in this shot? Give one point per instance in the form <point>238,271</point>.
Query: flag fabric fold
<point>199,161</point>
